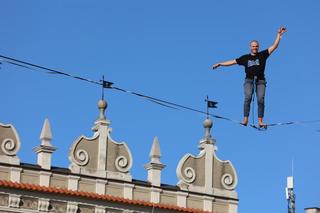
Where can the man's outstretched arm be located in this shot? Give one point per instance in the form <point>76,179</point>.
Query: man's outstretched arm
<point>276,42</point>
<point>226,63</point>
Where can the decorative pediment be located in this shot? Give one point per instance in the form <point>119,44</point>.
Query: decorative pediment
<point>9,144</point>
<point>100,155</point>
<point>190,168</point>
<point>206,172</point>
<point>194,175</point>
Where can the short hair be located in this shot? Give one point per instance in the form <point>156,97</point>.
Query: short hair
<point>254,41</point>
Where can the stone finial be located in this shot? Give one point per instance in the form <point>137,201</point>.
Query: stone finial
<point>155,151</point>
<point>155,166</point>
<point>46,135</point>
<point>101,121</point>
<point>45,150</point>
<point>102,105</point>
<point>207,124</point>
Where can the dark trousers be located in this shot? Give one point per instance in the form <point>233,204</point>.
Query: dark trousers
<point>260,87</point>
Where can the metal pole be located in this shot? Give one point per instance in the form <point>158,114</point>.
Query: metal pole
<point>291,201</point>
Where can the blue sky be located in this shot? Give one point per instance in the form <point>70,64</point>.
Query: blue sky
<point>165,49</point>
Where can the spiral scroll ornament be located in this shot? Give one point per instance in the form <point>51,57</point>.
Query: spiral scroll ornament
<point>122,164</point>
<point>227,181</point>
<point>81,157</point>
<point>8,146</point>
<point>189,175</point>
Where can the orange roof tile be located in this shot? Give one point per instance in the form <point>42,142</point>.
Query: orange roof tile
<point>54,190</point>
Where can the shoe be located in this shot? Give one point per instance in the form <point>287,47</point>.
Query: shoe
<point>245,121</point>
<point>243,124</point>
<point>263,126</point>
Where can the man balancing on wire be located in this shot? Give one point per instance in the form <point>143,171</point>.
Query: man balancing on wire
<point>254,64</point>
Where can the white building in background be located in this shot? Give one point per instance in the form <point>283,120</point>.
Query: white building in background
<point>98,179</point>
<point>312,210</point>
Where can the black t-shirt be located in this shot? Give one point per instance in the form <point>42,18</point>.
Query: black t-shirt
<point>254,64</point>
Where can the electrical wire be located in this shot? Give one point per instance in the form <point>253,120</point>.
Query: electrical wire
<point>51,71</point>
<point>109,85</point>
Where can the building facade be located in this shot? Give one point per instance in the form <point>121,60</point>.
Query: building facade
<point>98,179</point>
<point>312,210</point>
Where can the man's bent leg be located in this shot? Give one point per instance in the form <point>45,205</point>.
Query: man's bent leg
<point>248,91</point>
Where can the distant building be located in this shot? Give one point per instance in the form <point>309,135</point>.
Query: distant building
<point>98,178</point>
<point>312,210</point>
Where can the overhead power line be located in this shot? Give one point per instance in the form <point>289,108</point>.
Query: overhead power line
<point>109,85</point>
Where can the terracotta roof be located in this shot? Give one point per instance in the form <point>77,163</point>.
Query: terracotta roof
<point>91,195</point>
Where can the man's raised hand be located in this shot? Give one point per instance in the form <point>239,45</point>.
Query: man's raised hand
<point>282,30</point>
